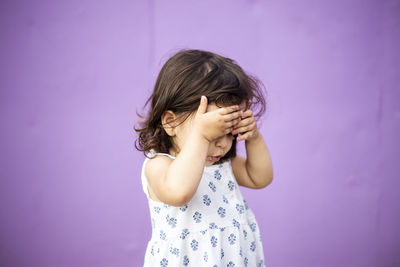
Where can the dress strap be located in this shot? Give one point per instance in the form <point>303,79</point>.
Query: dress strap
<point>152,154</point>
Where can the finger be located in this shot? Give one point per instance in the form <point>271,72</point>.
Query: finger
<point>203,105</point>
<point>244,122</point>
<point>243,136</point>
<point>233,116</point>
<point>233,123</point>
<point>227,110</point>
<point>245,129</point>
<point>228,130</point>
<point>247,113</point>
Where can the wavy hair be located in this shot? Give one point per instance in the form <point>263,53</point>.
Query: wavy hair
<point>183,79</point>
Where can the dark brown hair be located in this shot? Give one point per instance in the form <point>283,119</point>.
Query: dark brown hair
<point>183,79</point>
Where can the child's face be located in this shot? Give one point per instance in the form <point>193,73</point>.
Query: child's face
<point>217,148</point>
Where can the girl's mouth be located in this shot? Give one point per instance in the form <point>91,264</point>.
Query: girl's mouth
<point>214,158</point>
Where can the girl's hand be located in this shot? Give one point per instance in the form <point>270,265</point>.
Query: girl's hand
<point>216,123</point>
<point>247,127</point>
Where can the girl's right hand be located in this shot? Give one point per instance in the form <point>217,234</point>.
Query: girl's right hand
<point>216,123</point>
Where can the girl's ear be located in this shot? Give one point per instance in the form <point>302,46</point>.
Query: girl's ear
<point>168,121</point>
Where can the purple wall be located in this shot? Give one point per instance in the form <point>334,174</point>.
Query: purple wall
<point>73,74</point>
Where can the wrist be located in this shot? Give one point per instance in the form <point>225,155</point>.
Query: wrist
<point>255,138</point>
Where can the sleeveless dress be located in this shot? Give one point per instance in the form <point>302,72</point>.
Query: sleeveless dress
<point>215,228</point>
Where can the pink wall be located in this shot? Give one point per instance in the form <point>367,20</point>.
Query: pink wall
<point>73,74</point>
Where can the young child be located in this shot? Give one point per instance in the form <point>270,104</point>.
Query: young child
<point>200,108</point>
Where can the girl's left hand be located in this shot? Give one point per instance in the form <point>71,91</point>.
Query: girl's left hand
<point>247,127</point>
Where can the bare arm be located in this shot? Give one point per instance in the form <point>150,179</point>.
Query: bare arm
<point>256,170</point>
<point>175,181</point>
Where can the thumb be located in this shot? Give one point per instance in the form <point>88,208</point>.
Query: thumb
<point>203,105</point>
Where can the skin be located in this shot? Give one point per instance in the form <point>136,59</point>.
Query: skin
<point>200,141</point>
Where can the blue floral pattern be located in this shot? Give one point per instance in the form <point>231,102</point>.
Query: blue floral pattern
<point>205,256</point>
<point>221,212</point>
<point>174,251</point>
<point>183,208</point>
<point>197,217</point>
<point>194,244</point>
<point>184,233</point>
<point>253,227</point>
<point>217,175</point>
<point>236,224</point>
<point>162,235</point>
<point>214,241</point>
<point>171,221</point>
<point>240,208</point>
<point>253,246</point>
<point>245,204</point>
<point>185,260</point>
<point>215,227</point>
<point>206,200</point>
<point>231,185</point>
<point>232,239</point>
<point>164,262</point>
<point>212,186</point>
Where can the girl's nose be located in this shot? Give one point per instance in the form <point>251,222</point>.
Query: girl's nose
<point>223,141</point>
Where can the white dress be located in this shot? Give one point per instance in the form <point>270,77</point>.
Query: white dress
<point>215,228</point>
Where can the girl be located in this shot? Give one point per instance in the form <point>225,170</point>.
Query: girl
<point>200,108</point>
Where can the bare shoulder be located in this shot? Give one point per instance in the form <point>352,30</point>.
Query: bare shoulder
<point>157,165</point>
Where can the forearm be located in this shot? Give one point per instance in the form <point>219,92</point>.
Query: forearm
<point>185,172</point>
<point>258,161</point>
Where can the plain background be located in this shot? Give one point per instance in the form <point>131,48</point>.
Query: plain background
<point>74,73</point>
